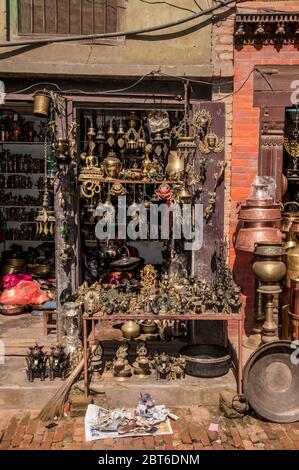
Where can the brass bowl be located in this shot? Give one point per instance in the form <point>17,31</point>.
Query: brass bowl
<point>12,309</point>
<point>9,269</point>
<point>41,270</point>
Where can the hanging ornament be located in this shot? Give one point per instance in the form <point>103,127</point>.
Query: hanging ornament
<point>45,220</point>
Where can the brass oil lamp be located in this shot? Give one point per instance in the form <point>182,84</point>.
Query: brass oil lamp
<point>269,269</point>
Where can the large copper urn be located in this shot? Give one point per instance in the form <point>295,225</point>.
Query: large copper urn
<point>260,221</point>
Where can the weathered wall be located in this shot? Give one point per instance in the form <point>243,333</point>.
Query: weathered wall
<point>223,70</point>
<point>181,50</point>
<point>246,135</point>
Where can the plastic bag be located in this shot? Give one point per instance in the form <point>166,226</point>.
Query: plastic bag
<point>25,293</point>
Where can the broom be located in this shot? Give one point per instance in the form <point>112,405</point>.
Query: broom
<point>55,406</point>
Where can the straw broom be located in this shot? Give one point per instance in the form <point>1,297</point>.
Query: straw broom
<point>55,406</point>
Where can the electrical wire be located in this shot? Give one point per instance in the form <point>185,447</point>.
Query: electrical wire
<point>117,34</point>
<point>153,74</point>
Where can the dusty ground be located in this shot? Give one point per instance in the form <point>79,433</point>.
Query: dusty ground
<point>20,430</point>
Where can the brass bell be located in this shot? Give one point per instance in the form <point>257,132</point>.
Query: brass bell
<point>184,194</point>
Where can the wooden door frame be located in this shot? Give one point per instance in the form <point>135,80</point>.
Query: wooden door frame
<point>272,94</point>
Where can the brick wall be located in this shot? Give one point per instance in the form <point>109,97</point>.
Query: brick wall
<point>245,137</point>
<point>223,70</point>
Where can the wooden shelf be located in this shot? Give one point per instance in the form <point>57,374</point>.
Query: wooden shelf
<point>11,142</point>
<point>22,174</point>
<point>190,316</point>
<point>97,179</point>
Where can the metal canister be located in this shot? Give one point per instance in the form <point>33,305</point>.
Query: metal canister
<point>292,257</point>
<point>41,105</point>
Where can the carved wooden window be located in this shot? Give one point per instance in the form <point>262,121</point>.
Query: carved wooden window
<point>67,17</point>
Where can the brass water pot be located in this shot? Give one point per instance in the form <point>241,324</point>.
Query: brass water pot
<point>175,167</point>
<point>41,103</point>
<point>267,265</point>
<point>130,329</point>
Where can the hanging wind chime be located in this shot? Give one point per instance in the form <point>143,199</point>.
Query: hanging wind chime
<point>45,220</point>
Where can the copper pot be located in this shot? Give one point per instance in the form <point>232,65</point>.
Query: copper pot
<point>260,221</point>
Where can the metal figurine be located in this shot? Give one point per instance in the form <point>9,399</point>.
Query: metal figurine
<point>36,362</point>
<point>162,366</point>
<point>142,365</point>
<point>211,144</point>
<point>59,362</point>
<point>121,367</point>
<point>218,177</point>
<point>178,368</point>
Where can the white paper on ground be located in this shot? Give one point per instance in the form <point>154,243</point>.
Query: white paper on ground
<point>92,434</point>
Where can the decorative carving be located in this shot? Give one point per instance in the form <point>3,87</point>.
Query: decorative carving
<point>267,28</point>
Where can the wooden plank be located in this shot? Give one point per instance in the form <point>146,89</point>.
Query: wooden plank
<point>99,17</point>
<point>50,14</point>
<point>24,16</point>
<point>111,16</point>
<point>131,316</point>
<point>87,12</point>
<point>63,17</point>
<point>38,15</point>
<point>269,99</point>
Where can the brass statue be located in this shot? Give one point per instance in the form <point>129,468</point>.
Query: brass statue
<point>211,144</point>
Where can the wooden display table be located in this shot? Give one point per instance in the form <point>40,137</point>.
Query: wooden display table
<point>131,316</point>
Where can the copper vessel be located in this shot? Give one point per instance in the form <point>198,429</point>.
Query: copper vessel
<point>41,104</point>
<point>292,257</point>
<point>260,221</point>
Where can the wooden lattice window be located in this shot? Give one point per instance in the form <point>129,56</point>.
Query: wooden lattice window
<point>69,17</point>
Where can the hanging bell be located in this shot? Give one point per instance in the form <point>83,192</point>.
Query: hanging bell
<point>184,194</point>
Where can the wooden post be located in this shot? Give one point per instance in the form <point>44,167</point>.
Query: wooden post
<point>66,205</point>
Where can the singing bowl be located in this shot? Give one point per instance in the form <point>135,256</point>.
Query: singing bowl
<point>271,382</point>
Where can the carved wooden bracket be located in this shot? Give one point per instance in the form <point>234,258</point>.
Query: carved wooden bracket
<point>267,28</point>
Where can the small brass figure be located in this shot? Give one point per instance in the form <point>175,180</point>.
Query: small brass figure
<point>36,362</point>
<point>141,366</point>
<point>59,362</point>
<point>121,367</point>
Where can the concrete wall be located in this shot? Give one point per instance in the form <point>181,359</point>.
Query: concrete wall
<point>181,50</point>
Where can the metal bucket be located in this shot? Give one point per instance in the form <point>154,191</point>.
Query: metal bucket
<point>41,105</point>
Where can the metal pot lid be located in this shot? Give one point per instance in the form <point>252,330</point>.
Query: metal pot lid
<point>271,382</point>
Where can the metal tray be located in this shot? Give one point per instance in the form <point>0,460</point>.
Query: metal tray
<point>271,382</point>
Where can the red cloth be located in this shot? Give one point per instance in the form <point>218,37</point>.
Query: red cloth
<point>25,293</point>
<point>12,280</point>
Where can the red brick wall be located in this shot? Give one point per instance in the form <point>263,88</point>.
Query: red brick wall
<point>245,137</point>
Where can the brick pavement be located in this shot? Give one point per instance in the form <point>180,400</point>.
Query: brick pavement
<point>21,430</point>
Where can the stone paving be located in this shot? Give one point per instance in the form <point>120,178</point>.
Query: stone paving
<point>21,430</point>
